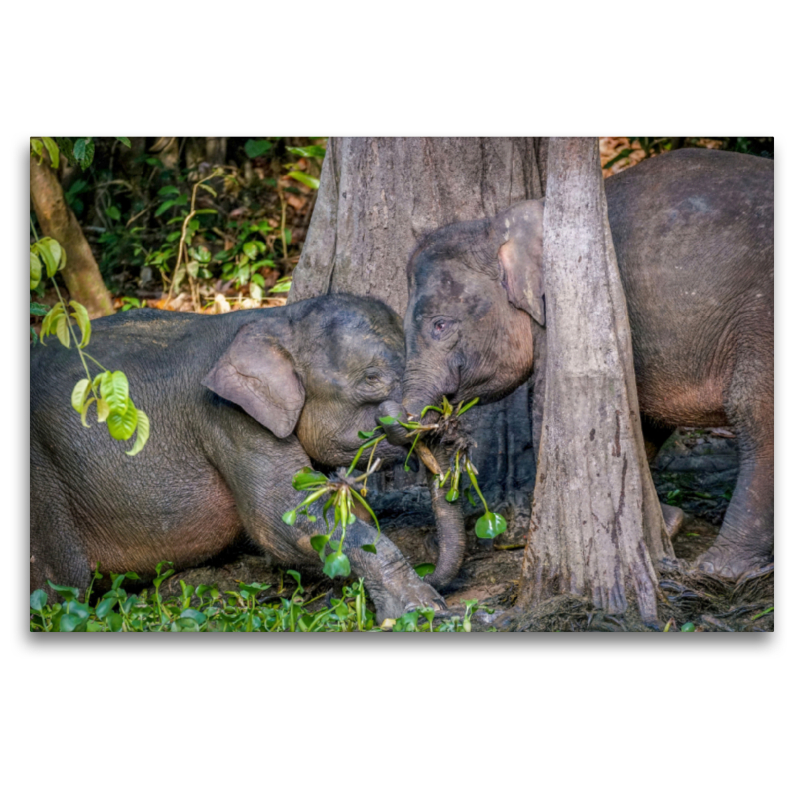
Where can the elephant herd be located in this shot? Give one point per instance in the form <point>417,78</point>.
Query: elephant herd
<point>240,402</point>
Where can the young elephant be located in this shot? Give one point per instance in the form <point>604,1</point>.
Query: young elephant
<point>237,403</point>
<point>693,233</point>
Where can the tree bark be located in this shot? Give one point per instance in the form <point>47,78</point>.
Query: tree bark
<point>81,274</point>
<point>596,527</point>
<point>377,198</point>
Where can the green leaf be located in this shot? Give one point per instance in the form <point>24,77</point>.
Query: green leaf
<point>124,139</point>
<point>36,272</point>
<point>468,406</point>
<point>369,548</point>
<point>38,600</point>
<point>39,310</point>
<point>37,147</point>
<point>114,622</point>
<point>83,151</point>
<point>192,613</point>
<point>424,569</point>
<point>105,606</point>
<point>251,251</point>
<point>165,206</point>
<point>452,495</point>
<point>257,147</point>
<point>490,525</point>
<point>113,213</point>
<point>319,542</point>
<point>52,150</point>
<point>336,565</point>
<point>472,500</point>
<point>79,394</point>
<point>143,432</point>
<point>103,410</point>
<point>62,329</point>
<point>312,151</point>
<point>69,593</point>
<point>388,420</point>
<point>308,180</point>
<point>122,425</point>
<point>84,411</point>
<point>307,478</point>
<point>69,622</point>
<point>687,627</point>
<point>290,517</point>
<point>81,316</point>
<point>164,190</point>
<point>52,254</point>
<point>114,387</point>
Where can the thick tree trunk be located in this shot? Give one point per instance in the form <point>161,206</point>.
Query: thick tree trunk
<point>596,526</point>
<point>81,274</point>
<point>377,197</point>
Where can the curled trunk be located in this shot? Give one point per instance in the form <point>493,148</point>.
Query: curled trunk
<point>450,534</point>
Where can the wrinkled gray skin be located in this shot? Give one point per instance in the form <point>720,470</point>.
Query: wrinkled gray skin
<point>237,403</point>
<point>693,233</point>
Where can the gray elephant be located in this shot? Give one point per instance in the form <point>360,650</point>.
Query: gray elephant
<point>238,403</point>
<point>693,233</point>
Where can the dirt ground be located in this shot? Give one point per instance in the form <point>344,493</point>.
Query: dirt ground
<point>696,470</point>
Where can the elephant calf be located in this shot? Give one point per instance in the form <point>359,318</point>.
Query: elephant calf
<point>237,403</point>
<point>693,234</point>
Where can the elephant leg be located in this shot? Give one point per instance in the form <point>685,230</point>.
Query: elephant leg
<point>56,551</point>
<point>654,437</point>
<point>745,541</point>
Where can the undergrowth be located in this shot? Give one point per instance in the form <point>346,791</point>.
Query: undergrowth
<point>206,608</point>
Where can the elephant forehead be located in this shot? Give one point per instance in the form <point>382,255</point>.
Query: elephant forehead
<point>348,351</point>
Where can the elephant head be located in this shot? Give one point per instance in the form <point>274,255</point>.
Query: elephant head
<point>474,288</point>
<point>319,370</point>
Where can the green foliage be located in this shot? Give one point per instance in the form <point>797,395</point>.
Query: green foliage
<point>206,608</point>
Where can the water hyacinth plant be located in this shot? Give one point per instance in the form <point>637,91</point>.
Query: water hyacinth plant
<point>342,490</point>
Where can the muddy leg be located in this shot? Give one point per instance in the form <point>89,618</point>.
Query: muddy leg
<point>654,437</point>
<point>745,540</point>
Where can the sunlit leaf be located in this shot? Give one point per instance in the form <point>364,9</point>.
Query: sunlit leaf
<point>124,139</point>
<point>114,386</point>
<point>290,517</point>
<point>424,569</point>
<point>312,151</point>
<point>452,495</point>
<point>36,271</point>
<point>319,542</point>
<point>81,316</point>
<point>307,478</point>
<point>62,330</point>
<point>142,432</point>
<point>165,206</point>
<point>52,150</point>
<point>103,410</point>
<point>122,425</point>
<point>79,394</point>
<point>84,411</point>
<point>308,180</point>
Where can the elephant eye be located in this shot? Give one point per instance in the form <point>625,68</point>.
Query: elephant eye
<point>373,377</point>
<point>441,327</point>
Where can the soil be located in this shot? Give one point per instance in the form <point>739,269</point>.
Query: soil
<point>696,470</point>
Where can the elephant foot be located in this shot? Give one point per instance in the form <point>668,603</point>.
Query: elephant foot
<point>392,601</point>
<point>673,518</point>
<point>728,562</point>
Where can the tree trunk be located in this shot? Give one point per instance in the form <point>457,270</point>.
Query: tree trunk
<point>81,275</point>
<point>596,527</point>
<point>377,198</point>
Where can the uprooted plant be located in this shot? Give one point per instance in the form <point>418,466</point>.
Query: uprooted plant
<point>342,489</point>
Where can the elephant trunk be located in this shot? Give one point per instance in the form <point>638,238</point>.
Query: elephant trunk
<point>450,533</point>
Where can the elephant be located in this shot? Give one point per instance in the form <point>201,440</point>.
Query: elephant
<point>238,403</point>
<point>693,234</point>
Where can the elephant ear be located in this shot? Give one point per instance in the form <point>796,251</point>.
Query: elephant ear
<point>257,373</point>
<point>520,230</point>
